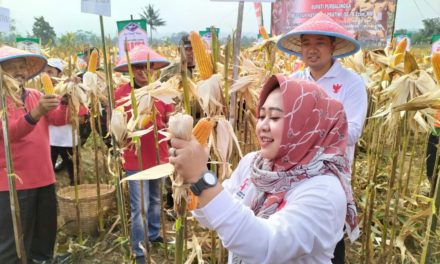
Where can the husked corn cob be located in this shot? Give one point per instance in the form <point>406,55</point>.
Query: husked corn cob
<point>93,61</point>
<point>435,62</point>
<point>47,84</point>
<point>203,60</point>
<point>401,47</point>
<point>192,201</point>
<point>202,130</point>
<point>399,53</point>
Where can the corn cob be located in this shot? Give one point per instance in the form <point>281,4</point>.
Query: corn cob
<point>202,130</point>
<point>192,201</point>
<point>47,84</point>
<point>401,47</point>
<point>399,53</point>
<point>203,61</point>
<point>93,61</point>
<point>435,62</point>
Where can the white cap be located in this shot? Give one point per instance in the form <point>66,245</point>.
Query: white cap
<point>56,63</point>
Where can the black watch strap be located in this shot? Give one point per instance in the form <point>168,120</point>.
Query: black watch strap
<point>207,180</point>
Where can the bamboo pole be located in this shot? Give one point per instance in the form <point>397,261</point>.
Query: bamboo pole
<point>236,61</point>
<point>13,198</point>
<point>116,155</point>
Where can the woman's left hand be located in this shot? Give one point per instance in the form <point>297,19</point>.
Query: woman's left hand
<point>189,158</point>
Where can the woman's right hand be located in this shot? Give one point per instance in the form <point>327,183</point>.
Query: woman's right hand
<point>189,158</point>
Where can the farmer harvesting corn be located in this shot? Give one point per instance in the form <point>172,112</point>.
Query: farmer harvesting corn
<point>29,115</point>
<point>319,42</point>
<point>138,57</point>
<point>274,196</point>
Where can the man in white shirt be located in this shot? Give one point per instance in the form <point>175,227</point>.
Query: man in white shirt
<point>60,137</point>
<point>319,42</point>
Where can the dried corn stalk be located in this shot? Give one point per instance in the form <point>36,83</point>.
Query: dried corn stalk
<point>210,95</point>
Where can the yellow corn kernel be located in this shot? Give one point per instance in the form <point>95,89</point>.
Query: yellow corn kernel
<point>47,84</point>
<point>93,60</point>
<point>203,60</point>
<point>435,62</point>
<point>202,130</point>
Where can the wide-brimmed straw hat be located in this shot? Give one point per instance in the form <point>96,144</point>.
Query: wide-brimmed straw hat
<point>35,63</point>
<point>140,55</point>
<point>320,24</point>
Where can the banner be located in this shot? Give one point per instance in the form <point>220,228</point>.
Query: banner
<point>435,43</point>
<point>370,22</point>
<point>5,21</point>
<point>134,31</point>
<point>29,44</point>
<point>98,7</point>
<point>206,36</point>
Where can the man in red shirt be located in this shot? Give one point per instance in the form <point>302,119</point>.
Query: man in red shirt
<point>29,115</point>
<point>151,188</point>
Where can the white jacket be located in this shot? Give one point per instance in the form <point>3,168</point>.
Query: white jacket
<point>348,88</point>
<point>306,228</point>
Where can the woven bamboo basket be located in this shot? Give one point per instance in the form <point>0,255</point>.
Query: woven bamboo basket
<point>88,206</point>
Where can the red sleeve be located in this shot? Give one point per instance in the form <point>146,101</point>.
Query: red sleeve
<point>17,128</point>
<point>58,116</point>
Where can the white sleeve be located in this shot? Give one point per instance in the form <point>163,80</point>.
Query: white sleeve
<point>355,106</point>
<point>310,223</point>
<point>232,184</point>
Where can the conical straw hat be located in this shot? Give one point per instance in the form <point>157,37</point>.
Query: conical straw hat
<point>320,24</point>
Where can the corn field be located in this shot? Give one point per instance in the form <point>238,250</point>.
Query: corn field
<point>397,204</point>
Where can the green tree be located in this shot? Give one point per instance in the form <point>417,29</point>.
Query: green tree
<point>402,31</point>
<point>43,30</point>
<point>431,26</point>
<point>68,40</point>
<point>153,19</point>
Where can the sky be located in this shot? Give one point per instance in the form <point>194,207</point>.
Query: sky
<point>180,15</point>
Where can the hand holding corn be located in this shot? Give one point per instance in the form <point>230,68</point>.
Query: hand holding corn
<point>47,102</point>
<point>189,154</point>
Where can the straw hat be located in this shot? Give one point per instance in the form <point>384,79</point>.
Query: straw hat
<point>139,56</point>
<point>34,62</point>
<point>320,24</point>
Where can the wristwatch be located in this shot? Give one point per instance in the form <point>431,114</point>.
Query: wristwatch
<point>207,180</point>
